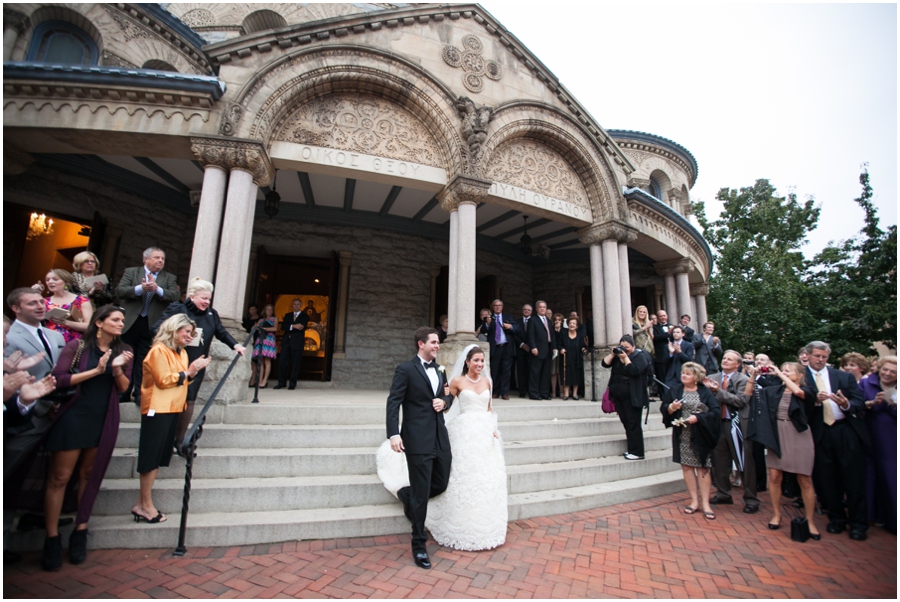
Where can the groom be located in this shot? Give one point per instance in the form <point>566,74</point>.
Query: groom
<point>419,388</point>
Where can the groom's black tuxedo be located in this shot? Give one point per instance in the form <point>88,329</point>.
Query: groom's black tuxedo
<point>425,440</point>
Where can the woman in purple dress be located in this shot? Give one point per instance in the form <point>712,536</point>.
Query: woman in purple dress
<point>880,392</point>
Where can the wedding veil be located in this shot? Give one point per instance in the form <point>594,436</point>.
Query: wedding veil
<point>453,412</point>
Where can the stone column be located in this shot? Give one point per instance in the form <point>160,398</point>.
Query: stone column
<point>435,272</point>
<point>657,298</point>
<point>598,304</point>
<point>237,230</point>
<point>14,25</point>
<point>671,301</point>
<point>700,291</point>
<point>209,221</point>
<point>625,288</point>
<point>682,286</point>
<point>460,198</point>
<point>678,299</point>
<point>612,296</point>
<point>340,333</point>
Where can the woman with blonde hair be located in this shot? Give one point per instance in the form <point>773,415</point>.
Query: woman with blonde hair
<point>198,307</point>
<point>642,328</point>
<point>164,390</point>
<point>86,265</point>
<point>60,284</point>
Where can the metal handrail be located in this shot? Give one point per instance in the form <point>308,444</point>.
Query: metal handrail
<point>188,447</point>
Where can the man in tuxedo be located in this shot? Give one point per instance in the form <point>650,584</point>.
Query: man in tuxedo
<point>418,388</point>
<point>144,292</point>
<point>294,326</point>
<point>728,387</point>
<point>662,334</point>
<point>841,441</point>
<point>708,349</point>
<point>498,328</point>
<point>539,335</point>
<point>685,323</point>
<point>523,351</point>
<point>26,424</point>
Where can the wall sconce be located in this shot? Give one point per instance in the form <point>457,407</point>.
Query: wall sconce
<point>272,200</point>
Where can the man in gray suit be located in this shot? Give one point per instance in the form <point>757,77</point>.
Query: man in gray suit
<point>708,349</point>
<point>144,292</point>
<point>728,387</point>
<point>27,423</point>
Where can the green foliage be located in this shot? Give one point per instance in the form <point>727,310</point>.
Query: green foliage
<point>758,297</point>
<point>855,282</point>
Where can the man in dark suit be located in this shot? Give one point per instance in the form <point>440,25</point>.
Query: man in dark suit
<point>728,387</point>
<point>523,351</point>
<point>708,349</point>
<point>418,388</point>
<point>685,323</point>
<point>498,328</point>
<point>144,292</point>
<point>841,441</point>
<point>662,334</point>
<point>539,335</point>
<point>294,326</point>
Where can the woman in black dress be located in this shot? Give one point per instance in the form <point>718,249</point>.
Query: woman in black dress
<point>85,427</point>
<point>628,389</point>
<point>571,350</point>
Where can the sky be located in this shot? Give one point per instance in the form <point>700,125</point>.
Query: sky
<point>800,94</point>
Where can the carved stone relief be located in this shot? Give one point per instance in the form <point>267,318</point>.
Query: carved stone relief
<point>199,17</point>
<point>114,60</point>
<point>528,164</point>
<point>363,124</point>
<point>130,30</point>
<point>473,64</point>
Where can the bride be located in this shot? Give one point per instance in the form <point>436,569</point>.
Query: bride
<point>472,513</point>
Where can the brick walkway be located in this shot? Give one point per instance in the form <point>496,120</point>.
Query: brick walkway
<point>642,549</point>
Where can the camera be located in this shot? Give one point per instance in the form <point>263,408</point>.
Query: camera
<point>764,369</point>
<point>618,350</point>
<point>749,362</point>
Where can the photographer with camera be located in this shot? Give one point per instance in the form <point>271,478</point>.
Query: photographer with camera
<point>628,389</point>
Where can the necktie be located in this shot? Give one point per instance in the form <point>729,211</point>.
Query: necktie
<point>147,297</point>
<point>46,345</point>
<point>547,328</point>
<point>497,327</point>
<point>724,387</point>
<point>827,412</point>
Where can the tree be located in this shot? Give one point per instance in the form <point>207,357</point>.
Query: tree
<point>855,284</point>
<point>758,298</point>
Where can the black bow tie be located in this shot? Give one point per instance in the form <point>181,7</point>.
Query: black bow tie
<point>428,365</point>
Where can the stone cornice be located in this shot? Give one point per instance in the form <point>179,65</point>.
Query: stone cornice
<point>660,146</point>
<point>232,153</point>
<point>662,152</point>
<point>611,230</point>
<point>463,189</point>
<point>682,265</point>
<point>347,26</point>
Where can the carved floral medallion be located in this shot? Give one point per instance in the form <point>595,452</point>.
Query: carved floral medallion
<point>530,165</point>
<point>472,63</point>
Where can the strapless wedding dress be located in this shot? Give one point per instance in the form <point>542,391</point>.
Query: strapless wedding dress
<point>472,513</point>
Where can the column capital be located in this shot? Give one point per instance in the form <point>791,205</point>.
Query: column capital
<point>345,257</point>
<point>642,183</point>
<point>463,189</point>
<point>15,20</point>
<point>234,153</point>
<point>701,289</point>
<point>611,230</point>
<point>670,267</point>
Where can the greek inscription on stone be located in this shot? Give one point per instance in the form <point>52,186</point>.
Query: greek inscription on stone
<point>542,201</point>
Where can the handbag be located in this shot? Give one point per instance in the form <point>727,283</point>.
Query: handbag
<point>63,395</point>
<point>799,525</point>
<point>608,406</point>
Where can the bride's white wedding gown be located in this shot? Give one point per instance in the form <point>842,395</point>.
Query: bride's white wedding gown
<point>472,513</point>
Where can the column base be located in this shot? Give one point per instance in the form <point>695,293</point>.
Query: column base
<point>235,389</point>
<point>454,345</point>
<point>596,385</point>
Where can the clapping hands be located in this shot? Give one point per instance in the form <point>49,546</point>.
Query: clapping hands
<point>21,361</point>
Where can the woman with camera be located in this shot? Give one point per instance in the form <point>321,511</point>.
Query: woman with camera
<point>694,412</point>
<point>783,427</point>
<point>628,389</point>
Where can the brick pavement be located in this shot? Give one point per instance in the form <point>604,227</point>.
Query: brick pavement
<point>642,549</point>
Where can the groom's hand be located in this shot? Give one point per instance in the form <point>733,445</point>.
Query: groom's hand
<point>397,443</point>
<point>438,404</point>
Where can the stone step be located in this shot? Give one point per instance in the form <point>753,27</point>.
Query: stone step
<point>251,528</point>
<point>226,462</point>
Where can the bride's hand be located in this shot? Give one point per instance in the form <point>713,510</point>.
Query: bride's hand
<point>496,435</point>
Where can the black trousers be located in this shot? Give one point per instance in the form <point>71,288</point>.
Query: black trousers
<point>723,456</point>
<point>501,369</point>
<point>840,464</point>
<point>523,361</point>
<point>289,362</point>
<point>428,477</point>
<point>631,420</point>
<point>539,377</point>
<point>140,340</point>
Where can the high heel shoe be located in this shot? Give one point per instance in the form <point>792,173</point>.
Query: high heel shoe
<point>159,518</point>
<point>815,536</point>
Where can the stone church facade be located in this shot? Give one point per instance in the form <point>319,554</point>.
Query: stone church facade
<point>386,163</point>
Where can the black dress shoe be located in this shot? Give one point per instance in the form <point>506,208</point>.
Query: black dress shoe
<point>834,528</point>
<point>292,387</point>
<point>78,546</point>
<point>278,386</point>
<point>506,397</point>
<point>858,534</point>
<point>748,509</point>
<point>52,559</point>
<point>421,559</point>
<point>721,501</point>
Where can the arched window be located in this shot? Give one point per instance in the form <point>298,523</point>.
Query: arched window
<point>655,189</point>
<point>62,42</point>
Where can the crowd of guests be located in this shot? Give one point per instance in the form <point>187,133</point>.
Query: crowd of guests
<point>70,359</point>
